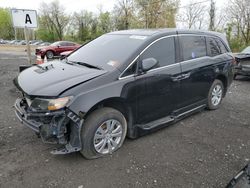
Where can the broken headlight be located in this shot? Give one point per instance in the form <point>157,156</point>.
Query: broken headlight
<point>40,104</point>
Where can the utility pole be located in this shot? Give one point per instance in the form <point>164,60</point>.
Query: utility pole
<point>212,15</point>
<point>15,33</point>
<point>26,34</point>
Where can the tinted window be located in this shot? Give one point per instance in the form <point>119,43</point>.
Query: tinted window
<point>56,44</point>
<point>193,47</point>
<point>163,51</point>
<point>131,70</point>
<point>70,44</point>
<point>213,48</point>
<point>221,46</point>
<point>63,44</point>
<point>108,50</point>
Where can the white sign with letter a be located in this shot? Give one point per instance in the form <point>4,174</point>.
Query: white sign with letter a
<point>22,18</point>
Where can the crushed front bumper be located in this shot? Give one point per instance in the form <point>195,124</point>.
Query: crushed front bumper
<point>58,127</point>
<point>242,70</point>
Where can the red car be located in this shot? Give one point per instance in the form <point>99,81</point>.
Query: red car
<point>56,49</point>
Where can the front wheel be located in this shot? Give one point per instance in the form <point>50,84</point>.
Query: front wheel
<point>103,133</point>
<point>49,54</point>
<point>215,95</point>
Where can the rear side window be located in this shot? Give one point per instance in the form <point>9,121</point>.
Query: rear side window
<point>215,47</point>
<point>63,43</point>
<point>162,50</point>
<point>221,46</point>
<point>70,44</point>
<point>193,47</point>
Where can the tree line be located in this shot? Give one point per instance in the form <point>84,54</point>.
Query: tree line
<point>55,24</point>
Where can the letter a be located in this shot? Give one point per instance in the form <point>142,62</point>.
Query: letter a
<point>27,19</point>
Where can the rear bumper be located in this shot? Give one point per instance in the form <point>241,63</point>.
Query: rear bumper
<point>242,70</point>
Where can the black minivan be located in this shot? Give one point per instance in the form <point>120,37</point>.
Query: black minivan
<point>124,83</point>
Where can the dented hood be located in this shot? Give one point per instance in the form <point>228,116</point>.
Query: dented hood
<point>51,79</point>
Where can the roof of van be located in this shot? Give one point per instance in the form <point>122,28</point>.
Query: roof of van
<point>167,31</point>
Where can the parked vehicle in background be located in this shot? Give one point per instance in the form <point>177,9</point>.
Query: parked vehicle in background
<point>32,42</point>
<point>45,44</point>
<point>14,42</point>
<point>64,54</point>
<point>22,42</point>
<point>37,43</point>
<point>242,63</point>
<point>2,41</point>
<point>56,48</point>
<point>125,83</point>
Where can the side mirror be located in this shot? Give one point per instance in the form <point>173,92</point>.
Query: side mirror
<point>148,64</point>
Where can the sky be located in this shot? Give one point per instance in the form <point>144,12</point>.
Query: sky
<point>77,5</point>
<point>70,5</point>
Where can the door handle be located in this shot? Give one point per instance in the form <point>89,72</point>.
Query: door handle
<point>185,76</point>
<point>180,77</point>
<point>176,78</point>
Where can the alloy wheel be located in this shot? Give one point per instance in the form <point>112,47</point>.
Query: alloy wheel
<point>216,95</point>
<point>108,136</point>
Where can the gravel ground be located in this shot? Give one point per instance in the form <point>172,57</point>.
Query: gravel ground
<point>204,150</point>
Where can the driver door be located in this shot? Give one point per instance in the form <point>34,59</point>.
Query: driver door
<point>158,93</point>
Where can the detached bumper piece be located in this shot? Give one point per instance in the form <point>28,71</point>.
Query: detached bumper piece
<point>242,70</point>
<point>59,127</point>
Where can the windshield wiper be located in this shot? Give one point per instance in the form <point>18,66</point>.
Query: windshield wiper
<point>86,65</point>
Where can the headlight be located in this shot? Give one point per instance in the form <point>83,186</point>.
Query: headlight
<point>40,104</point>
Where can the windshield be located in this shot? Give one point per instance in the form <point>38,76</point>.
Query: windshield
<point>55,44</point>
<point>246,50</point>
<point>107,51</point>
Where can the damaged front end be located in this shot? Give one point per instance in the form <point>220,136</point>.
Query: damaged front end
<point>55,126</point>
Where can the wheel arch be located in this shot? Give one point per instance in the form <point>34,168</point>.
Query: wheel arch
<point>223,79</point>
<point>53,51</point>
<point>120,105</point>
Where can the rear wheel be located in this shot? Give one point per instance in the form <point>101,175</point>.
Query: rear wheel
<point>49,54</point>
<point>215,95</point>
<point>103,133</point>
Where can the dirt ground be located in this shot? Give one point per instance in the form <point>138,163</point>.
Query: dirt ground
<point>204,150</point>
<point>16,48</point>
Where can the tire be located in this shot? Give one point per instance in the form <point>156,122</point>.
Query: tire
<point>215,95</point>
<point>97,141</point>
<point>50,54</point>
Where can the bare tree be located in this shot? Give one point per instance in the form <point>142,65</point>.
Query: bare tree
<point>82,22</point>
<point>157,13</point>
<point>54,17</point>
<point>123,11</point>
<point>193,15</point>
<point>239,11</point>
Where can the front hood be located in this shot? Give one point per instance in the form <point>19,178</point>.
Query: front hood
<point>51,79</point>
